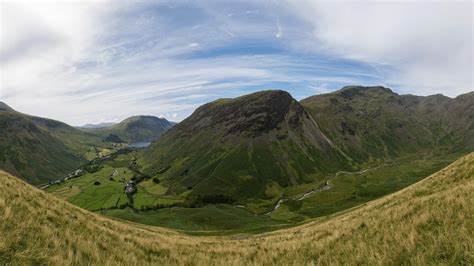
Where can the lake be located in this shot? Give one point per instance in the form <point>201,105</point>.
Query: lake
<point>139,144</point>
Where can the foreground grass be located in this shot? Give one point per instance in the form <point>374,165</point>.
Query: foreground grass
<point>429,222</point>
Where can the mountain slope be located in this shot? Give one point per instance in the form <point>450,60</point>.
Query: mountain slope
<point>370,123</point>
<point>136,128</point>
<point>427,223</point>
<point>4,107</point>
<point>243,147</point>
<point>39,149</point>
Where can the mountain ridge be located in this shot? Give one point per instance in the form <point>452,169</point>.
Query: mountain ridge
<point>370,122</point>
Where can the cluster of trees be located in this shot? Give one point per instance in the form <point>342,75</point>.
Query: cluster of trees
<point>163,170</point>
<point>138,177</point>
<point>121,206</point>
<point>93,166</point>
<point>202,200</point>
<point>158,206</point>
<point>133,165</point>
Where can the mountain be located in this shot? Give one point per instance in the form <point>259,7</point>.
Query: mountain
<point>39,149</point>
<point>428,223</point>
<point>5,108</point>
<point>100,125</point>
<point>247,147</point>
<point>373,123</point>
<point>136,128</point>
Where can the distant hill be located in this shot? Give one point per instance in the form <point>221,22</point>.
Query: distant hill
<point>428,223</point>
<point>244,148</point>
<point>136,128</point>
<point>100,125</point>
<point>39,149</point>
<point>373,123</point>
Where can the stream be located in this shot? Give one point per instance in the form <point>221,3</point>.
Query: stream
<point>304,196</point>
<point>326,186</point>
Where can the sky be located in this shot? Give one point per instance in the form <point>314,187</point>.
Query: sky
<point>102,61</point>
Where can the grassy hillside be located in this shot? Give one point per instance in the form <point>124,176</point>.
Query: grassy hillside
<point>78,141</point>
<point>429,222</point>
<point>32,152</point>
<point>242,148</point>
<point>39,149</point>
<point>374,123</point>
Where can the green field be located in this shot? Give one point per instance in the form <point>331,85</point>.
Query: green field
<point>351,189</point>
<point>84,193</point>
<point>94,152</point>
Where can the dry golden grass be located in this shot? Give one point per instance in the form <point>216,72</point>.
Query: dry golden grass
<point>430,222</point>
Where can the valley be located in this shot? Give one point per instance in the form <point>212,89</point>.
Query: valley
<point>434,214</point>
<point>155,204</point>
<point>236,133</point>
<point>258,162</point>
<point>43,151</point>
<point>252,166</point>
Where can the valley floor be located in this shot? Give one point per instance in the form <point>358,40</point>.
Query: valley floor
<point>429,222</point>
<point>154,205</point>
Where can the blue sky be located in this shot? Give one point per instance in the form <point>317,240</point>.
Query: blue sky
<point>100,61</point>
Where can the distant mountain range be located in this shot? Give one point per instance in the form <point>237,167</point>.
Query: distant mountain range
<point>253,145</point>
<point>135,128</point>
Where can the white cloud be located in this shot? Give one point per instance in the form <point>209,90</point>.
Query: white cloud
<point>426,46</point>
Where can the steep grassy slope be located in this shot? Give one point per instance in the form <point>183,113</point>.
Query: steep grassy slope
<point>373,123</point>
<point>76,140</point>
<point>429,222</point>
<point>243,148</point>
<point>136,128</point>
<point>31,152</point>
<point>39,149</point>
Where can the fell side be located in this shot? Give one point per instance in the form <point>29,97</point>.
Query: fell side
<point>429,222</point>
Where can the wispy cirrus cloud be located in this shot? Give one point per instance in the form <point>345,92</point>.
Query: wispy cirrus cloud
<point>423,46</point>
<point>103,61</point>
